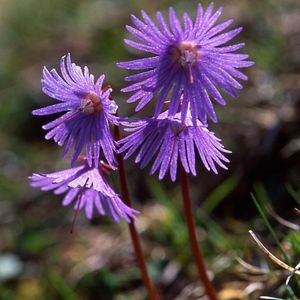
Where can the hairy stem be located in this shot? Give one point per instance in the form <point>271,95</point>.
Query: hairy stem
<point>198,257</point>
<point>133,233</point>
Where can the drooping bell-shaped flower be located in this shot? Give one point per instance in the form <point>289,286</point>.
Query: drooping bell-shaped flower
<point>169,142</point>
<point>87,188</point>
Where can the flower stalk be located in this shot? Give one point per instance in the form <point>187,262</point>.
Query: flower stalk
<point>132,229</point>
<point>196,250</point>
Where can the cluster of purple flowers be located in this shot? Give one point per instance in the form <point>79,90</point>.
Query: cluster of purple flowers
<point>189,64</point>
<point>88,111</point>
<point>186,66</point>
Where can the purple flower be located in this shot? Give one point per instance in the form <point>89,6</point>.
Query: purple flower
<point>168,140</point>
<point>87,111</point>
<point>188,65</point>
<point>87,188</point>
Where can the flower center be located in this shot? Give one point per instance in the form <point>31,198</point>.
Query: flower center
<point>176,125</point>
<point>91,104</point>
<point>187,53</point>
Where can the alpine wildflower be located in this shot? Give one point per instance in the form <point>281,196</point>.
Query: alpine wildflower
<point>87,112</point>
<point>188,64</point>
<point>88,189</point>
<point>168,142</point>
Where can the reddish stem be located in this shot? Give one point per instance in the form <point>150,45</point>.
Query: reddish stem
<point>133,233</point>
<point>76,213</point>
<point>188,212</point>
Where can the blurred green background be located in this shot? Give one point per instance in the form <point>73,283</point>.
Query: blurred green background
<point>39,259</point>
